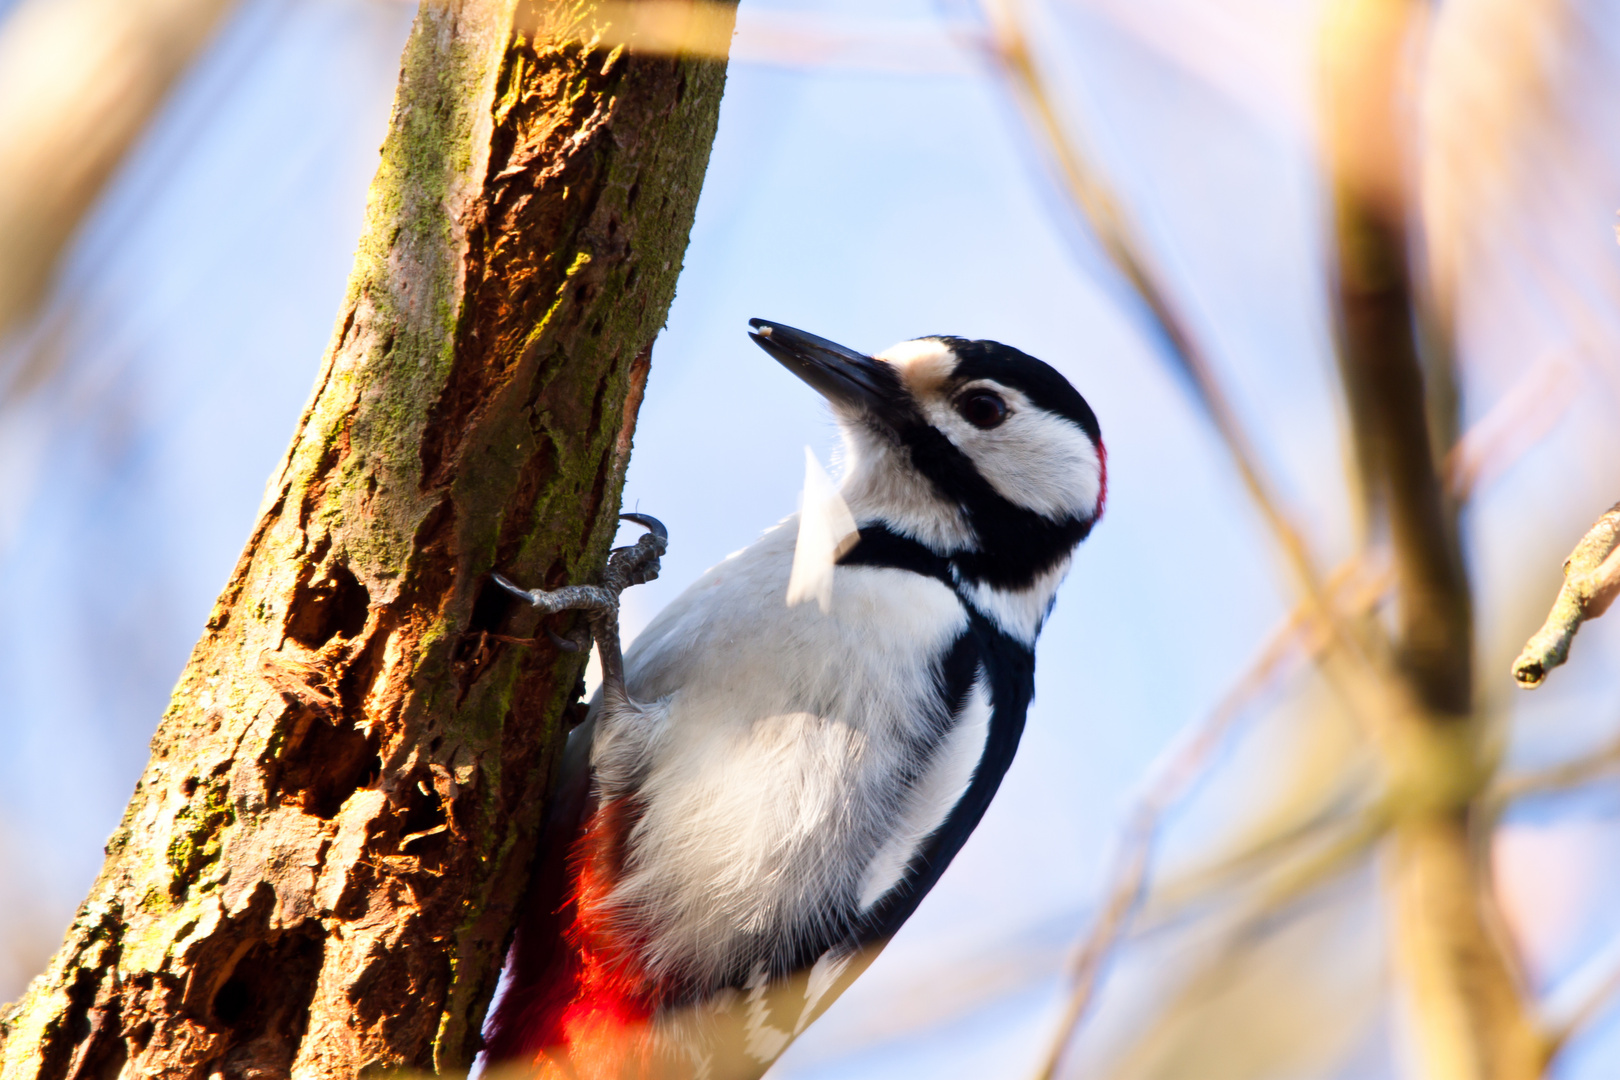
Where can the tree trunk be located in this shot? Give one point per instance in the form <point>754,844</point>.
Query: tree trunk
<point>318,870</point>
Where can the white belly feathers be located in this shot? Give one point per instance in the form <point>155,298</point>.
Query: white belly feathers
<point>771,804</point>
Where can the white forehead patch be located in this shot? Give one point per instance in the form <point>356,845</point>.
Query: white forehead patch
<point>1034,459</point>
<point>924,364</point>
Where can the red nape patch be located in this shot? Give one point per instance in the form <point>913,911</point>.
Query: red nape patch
<point>587,1016</point>
<point>1102,481</point>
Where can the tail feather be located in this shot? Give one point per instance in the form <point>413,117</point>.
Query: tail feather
<point>576,1003</point>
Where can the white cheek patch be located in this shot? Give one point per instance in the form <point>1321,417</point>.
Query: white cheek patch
<point>1034,459</point>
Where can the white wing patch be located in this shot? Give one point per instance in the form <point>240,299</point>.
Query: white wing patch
<point>940,789</point>
<point>826,532</point>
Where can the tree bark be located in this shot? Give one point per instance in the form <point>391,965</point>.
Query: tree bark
<point>317,873</point>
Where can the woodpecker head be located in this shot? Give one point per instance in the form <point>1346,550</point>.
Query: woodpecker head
<point>977,450</point>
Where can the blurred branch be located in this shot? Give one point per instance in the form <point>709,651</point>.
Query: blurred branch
<point>1327,862</point>
<point>1582,997</point>
<point>1176,773</point>
<point>1355,588</point>
<point>1395,359</point>
<point>1527,412</point>
<point>1251,860</point>
<point>706,28</point>
<point>1591,582</point>
<point>1560,777</point>
<point>1519,419</point>
<point>1092,195</point>
<point>79,80</point>
<point>1356,667</point>
<point>1387,385</point>
<point>1470,1017</point>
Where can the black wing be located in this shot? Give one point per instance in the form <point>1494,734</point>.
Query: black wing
<point>1008,667</point>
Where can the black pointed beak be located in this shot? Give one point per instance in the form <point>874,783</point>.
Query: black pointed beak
<point>843,376</point>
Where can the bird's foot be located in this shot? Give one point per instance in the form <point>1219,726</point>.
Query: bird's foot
<point>636,564</point>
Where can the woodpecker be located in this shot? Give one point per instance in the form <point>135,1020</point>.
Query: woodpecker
<point>791,753</point>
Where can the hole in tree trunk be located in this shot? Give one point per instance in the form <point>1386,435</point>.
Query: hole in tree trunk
<point>335,605</point>
<point>265,1005</point>
<point>332,762</point>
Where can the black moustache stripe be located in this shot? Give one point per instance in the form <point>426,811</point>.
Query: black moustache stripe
<point>1016,545</point>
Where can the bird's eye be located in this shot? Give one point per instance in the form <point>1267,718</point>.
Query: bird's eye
<point>982,408</point>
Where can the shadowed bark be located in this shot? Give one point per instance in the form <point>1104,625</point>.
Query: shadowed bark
<point>317,871</point>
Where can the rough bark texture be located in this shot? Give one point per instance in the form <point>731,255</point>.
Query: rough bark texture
<point>317,872</point>
<point>1471,1017</point>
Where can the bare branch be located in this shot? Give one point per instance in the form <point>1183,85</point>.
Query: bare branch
<point>1176,773</point>
<point>79,80</point>
<point>1582,997</point>
<point>1093,196</point>
<point>1561,777</point>
<point>1591,582</point>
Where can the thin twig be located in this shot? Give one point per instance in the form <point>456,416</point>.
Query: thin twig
<point>1262,916</point>
<point>1591,582</point>
<point>1582,997</point>
<point>1176,773</point>
<point>1109,223</point>
<point>1560,777</point>
<point>1359,670</point>
<point>1368,827</point>
<point>1172,898</point>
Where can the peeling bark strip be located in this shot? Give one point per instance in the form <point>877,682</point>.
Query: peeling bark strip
<point>317,871</point>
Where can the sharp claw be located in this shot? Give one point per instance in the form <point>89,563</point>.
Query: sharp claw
<point>509,587</point>
<point>565,644</point>
<point>648,522</point>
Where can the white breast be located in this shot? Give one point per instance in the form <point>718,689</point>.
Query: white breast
<point>766,763</point>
